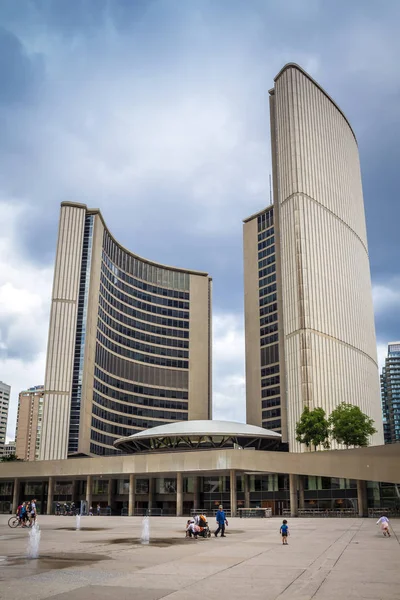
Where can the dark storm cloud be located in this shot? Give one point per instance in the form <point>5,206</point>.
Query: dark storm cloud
<point>19,73</point>
<point>114,68</point>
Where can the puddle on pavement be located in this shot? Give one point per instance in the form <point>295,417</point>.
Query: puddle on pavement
<point>82,529</point>
<point>158,542</point>
<point>20,566</point>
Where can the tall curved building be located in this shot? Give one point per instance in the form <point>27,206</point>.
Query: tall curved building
<point>323,349</point>
<point>129,342</point>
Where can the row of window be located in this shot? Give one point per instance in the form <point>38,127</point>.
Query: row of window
<point>117,283</point>
<point>138,356</point>
<point>133,324</point>
<point>271,414</point>
<point>266,219</point>
<point>266,261</point>
<point>268,310</point>
<point>115,417</point>
<point>140,372</point>
<point>267,300</point>
<point>267,290</point>
<point>267,270</point>
<point>267,252</point>
<point>147,287</point>
<point>275,424</point>
<point>269,392</point>
<point>266,243</point>
<point>267,280</point>
<point>144,337</point>
<point>144,316</point>
<point>270,381</point>
<point>270,328</point>
<point>269,339</point>
<point>111,393</point>
<point>123,431</point>
<point>269,370</point>
<point>126,342</point>
<point>265,234</point>
<point>168,278</point>
<point>270,402</point>
<point>134,388</point>
<point>102,438</point>
<point>269,355</point>
<point>151,308</point>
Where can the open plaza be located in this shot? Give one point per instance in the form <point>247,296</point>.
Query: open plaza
<point>325,559</point>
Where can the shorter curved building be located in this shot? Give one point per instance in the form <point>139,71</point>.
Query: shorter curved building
<point>129,342</point>
<point>200,435</point>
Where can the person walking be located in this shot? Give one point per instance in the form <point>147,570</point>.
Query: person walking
<point>220,517</point>
<point>284,531</point>
<point>98,510</point>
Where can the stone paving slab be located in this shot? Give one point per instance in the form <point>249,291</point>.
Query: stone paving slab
<point>330,559</point>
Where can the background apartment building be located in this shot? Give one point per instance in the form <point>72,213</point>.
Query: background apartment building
<point>310,334</point>
<point>29,423</point>
<point>129,342</point>
<point>390,393</point>
<point>5,391</point>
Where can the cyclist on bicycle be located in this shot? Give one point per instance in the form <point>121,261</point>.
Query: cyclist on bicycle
<point>23,514</point>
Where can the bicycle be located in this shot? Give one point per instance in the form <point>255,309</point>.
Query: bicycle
<point>14,522</point>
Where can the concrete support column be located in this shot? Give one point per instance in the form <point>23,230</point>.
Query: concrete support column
<point>301,491</point>
<point>132,493</point>
<point>74,499</point>
<point>50,492</point>
<point>196,493</point>
<point>362,498</point>
<point>294,507</point>
<point>233,493</point>
<point>15,495</point>
<point>110,496</point>
<point>151,493</point>
<point>179,494</point>
<point>246,491</point>
<point>89,483</point>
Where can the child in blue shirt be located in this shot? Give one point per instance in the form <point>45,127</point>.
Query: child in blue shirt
<point>284,531</point>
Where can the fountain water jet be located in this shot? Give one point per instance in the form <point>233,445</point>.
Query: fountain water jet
<point>145,531</point>
<point>78,522</point>
<point>34,541</point>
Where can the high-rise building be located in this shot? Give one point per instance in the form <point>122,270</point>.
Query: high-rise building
<point>390,394</point>
<point>9,449</point>
<point>29,423</point>
<point>5,391</point>
<point>129,341</point>
<point>310,335</point>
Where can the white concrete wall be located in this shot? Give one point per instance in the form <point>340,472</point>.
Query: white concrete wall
<point>330,344</point>
<point>61,342</point>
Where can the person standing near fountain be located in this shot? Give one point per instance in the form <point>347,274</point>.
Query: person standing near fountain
<point>33,513</point>
<point>220,517</point>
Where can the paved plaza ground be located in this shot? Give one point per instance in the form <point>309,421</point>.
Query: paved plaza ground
<point>326,559</point>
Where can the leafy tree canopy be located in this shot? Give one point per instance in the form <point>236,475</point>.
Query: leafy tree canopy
<point>350,426</point>
<point>313,428</point>
<point>10,458</point>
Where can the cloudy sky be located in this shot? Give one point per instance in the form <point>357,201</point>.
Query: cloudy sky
<point>157,110</point>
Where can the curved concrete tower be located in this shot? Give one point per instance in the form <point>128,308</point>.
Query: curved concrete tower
<point>326,323</point>
<point>129,342</point>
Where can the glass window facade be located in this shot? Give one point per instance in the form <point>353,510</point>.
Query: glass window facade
<point>269,336</point>
<point>142,352</point>
<point>390,394</point>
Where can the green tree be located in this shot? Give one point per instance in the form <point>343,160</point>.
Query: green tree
<point>10,458</point>
<point>350,426</point>
<point>313,428</point>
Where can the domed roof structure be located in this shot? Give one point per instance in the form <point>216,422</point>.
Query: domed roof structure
<point>198,435</point>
